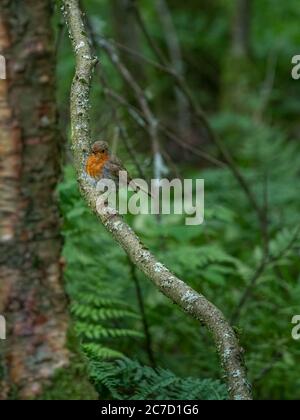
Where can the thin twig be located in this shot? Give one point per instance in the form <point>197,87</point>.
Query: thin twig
<point>267,260</point>
<point>157,51</point>
<point>265,217</point>
<point>139,118</point>
<point>247,292</point>
<point>269,366</point>
<point>140,299</point>
<point>139,94</point>
<point>268,84</point>
<point>176,62</point>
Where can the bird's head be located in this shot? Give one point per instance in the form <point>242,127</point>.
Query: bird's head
<point>100,147</point>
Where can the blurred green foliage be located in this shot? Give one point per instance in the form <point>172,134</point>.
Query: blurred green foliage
<point>220,257</point>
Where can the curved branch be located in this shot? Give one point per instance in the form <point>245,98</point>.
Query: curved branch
<point>193,303</point>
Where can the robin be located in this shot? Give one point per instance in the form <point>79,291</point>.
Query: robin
<point>101,164</point>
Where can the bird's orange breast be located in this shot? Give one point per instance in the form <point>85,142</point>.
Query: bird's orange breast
<point>95,164</point>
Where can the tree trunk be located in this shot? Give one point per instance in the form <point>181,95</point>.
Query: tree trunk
<point>242,28</point>
<point>239,77</point>
<point>31,293</point>
<point>177,64</point>
<point>126,33</point>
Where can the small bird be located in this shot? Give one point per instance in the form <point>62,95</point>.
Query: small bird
<point>101,164</point>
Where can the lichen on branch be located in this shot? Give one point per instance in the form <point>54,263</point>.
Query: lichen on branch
<point>193,303</point>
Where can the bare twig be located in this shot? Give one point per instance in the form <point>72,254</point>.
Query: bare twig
<point>193,303</point>
<point>265,217</point>
<point>242,28</point>
<point>269,366</point>
<point>157,51</point>
<point>139,118</point>
<point>140,97</point>
<point>265,263</point>
<point>176,62</point>
<point>268,85</point>
<point>247,292</point>
<point>122,129</point>
<point>140,299</point>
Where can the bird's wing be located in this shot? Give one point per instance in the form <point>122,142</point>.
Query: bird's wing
<point>115,166</point>
<point>114,169</point>
<point>115,161</point>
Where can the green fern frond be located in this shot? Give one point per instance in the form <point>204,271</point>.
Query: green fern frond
<point>284,243</point>
<point>100,314</point>
<point>128,379</point>
<point>96,351</point>
<point>96,332</point>
<point>92,298</point>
